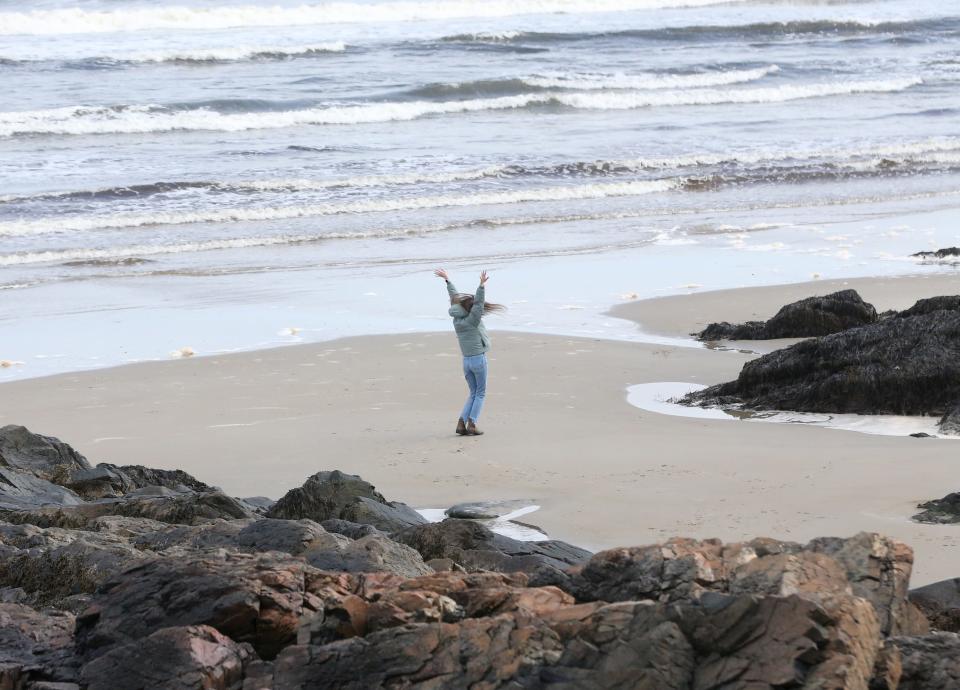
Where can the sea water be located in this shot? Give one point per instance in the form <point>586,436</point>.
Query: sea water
<point>220,175</point>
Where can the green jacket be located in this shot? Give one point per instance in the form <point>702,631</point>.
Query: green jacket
<point>469,327</point>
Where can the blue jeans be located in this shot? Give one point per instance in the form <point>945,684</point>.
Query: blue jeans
<point>475,371</point>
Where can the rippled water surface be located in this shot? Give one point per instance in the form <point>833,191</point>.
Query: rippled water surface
<point>237,159</point>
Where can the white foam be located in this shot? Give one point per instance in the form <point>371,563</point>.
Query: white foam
<point>126,220</point>
<point>658,397</point>
<point>205,54</point>
<point>141,119</point>
<point>77,20</point>
<point>596,82</point>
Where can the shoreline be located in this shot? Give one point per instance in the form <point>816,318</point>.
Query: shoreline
<point>560,432</point>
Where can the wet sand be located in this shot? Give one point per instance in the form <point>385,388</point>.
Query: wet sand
<point>559,431</point>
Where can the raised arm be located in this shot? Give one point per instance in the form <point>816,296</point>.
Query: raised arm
<point>476,312</point>
<point>451,290</point>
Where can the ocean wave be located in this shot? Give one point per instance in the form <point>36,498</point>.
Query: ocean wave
<point>59,224</point>
<point>194,55</point>
<point>143,119</point>
<point>753,31</point>
<point>77,21</point>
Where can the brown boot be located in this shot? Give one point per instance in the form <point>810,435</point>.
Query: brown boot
<point>461,428</point>
<point>472,430</point>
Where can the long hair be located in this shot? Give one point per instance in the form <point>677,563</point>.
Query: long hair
<point>466,301</point>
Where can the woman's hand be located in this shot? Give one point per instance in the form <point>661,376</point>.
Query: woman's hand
<point>483,277</point>
<point>440,273</point>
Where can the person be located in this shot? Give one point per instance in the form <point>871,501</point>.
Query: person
<point>467,312</point>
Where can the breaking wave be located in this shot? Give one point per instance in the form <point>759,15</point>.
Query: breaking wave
<point>133,119</point>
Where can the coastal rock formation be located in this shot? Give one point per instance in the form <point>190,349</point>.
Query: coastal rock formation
<point>945,253</point>
<point>335,495</point>
<point>944,510</point>
<point>940,603</point>
<point>908,364</point>
<point>276,603</point>
<point>810,317</point>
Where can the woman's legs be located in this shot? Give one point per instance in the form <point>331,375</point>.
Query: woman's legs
<point>479,388</point>
<point>472,384</point>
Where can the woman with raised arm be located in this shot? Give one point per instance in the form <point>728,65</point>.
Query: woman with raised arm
<point>467,312</point>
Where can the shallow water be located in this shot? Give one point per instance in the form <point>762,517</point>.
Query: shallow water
<point>210,174</point>
<point>661,398</point>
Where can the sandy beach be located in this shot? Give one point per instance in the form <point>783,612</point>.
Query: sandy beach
<point>560,431</point>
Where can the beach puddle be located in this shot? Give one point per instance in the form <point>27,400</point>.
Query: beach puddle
<point>659,397</point>
<point>504,524</point>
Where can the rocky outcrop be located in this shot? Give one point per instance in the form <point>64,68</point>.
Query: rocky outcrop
<point>35,646</point>
<point>336,495</point>
<point>940,511</point>
<point>810,317</point>
<point>940,603</point>
<point>944,253</point>
<point>902,365</point>
<point>950,422</point>
<point>927,662</point>
<point>181,658</point>
<point>477,548</point>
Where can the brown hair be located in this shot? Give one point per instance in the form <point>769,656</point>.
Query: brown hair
<point>466,301</point>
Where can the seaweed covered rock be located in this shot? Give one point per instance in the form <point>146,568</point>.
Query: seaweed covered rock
<point>941,511</point>
<point>336,495</point>
<point>810,317</point>
<point>903,365</point>
<point>943,253</point>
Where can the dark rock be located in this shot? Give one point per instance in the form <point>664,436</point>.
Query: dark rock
<point>371,554</point>
<point>186,508</point>
<point>477,548</point>
<point>940,603</point>
<point>950,422</point>
<point>99,482</point>
<point>35,647</point>
<point>54,566</point>
<point>178,480</point>
<point>944,510</point>
<point>335,495</point>
<point>353,530</point>
<point>42,456</point>
<point>896,366</point>
<point>257,599</point>
<point>24,491</point>
<point>939,253</point>
<point>810,317</point>
<point>929,662</point>
<point>930,305</point>
<point>181,658</point>
<point>486,510</point>
<point>922,435</point>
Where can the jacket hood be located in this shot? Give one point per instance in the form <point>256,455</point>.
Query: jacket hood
<point>457,312</point>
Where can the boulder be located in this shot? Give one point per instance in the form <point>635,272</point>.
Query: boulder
<point>178,480</point>
<point>944,510</point>
<point>353,530</point>
<point>54,566</point>
<point>943,253</point>
<point>35,647</point>
<point>258,599</point>
<point>870,566</point>
<point>475,547</point>
<point>486,510</point>
<point>371,554</point>
<point>940,603</point>
<point>177,508</point>
<point>908,365</point>
<point>25,491</point>
<point>44,457</point>
<point>930,305</point>
<point>810,317</point>
<point>181,658</point>
<point>928,662</point>
<point>336,495</point>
